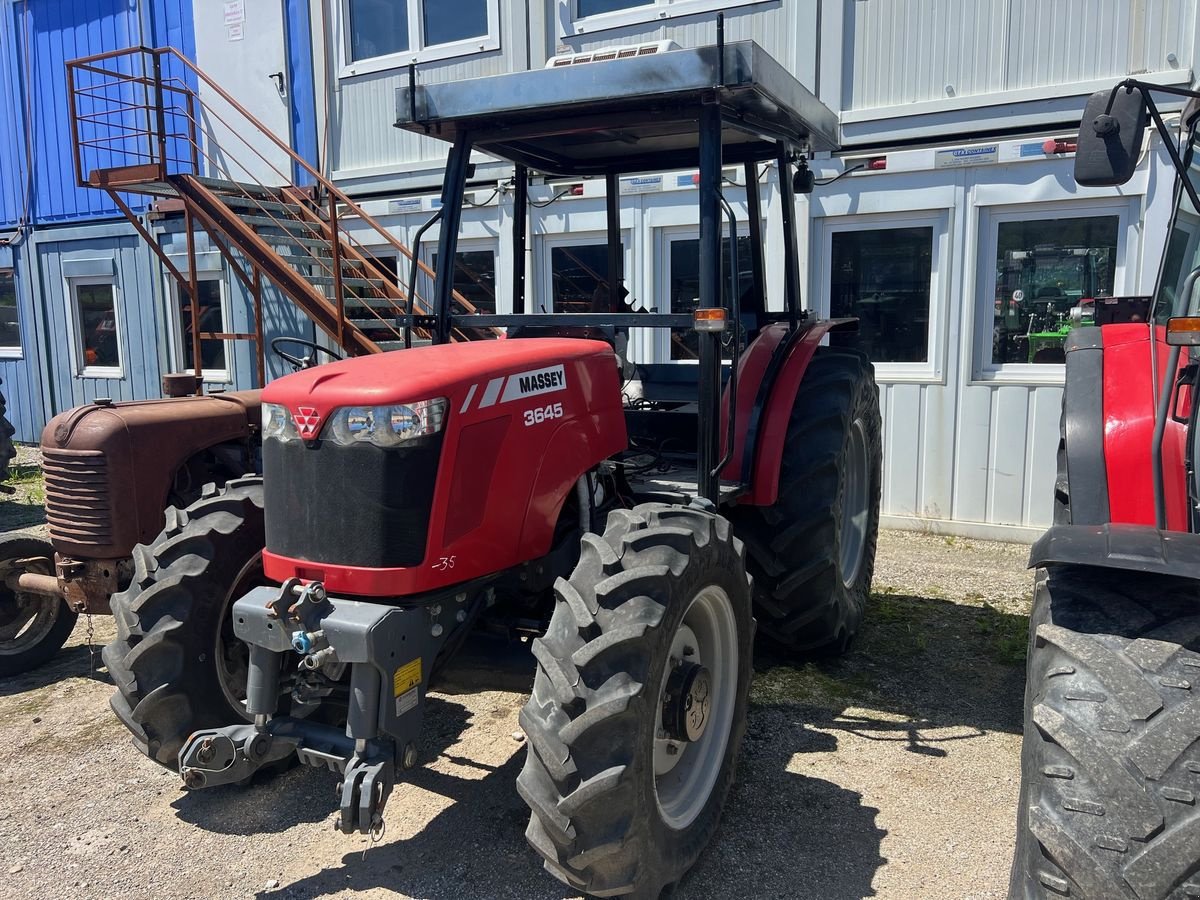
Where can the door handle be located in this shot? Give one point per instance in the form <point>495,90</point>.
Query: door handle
<point>279,83</point>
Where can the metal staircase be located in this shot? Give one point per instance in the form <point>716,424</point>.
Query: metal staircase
<point>147,121</point>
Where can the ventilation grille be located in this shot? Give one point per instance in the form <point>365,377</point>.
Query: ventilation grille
<point>78,507</point>
<point>604,55</point>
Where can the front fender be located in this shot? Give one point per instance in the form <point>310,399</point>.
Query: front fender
<point>1132,548</point>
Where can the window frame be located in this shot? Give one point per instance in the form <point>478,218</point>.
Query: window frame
<point>572,24</point>
<point>666,236</point>
<point>546,244</point>
<point>14,351</point>
<point>418,52</point>
<point>465,245</point>
<point>987,236</point>
<point>178,353</point>
<point>932,370</point>
<point>75,322</point>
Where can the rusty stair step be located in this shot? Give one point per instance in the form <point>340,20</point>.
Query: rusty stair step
<point>292,209</point>
<point>282,224</point>
<point>222,186</point>
<point>349,282</point>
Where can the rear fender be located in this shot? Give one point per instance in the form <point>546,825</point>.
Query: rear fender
<point>768,377</point>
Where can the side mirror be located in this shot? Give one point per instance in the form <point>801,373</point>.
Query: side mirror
<point>1110,138</point>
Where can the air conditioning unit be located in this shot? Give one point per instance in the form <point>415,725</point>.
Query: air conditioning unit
<point>604,54</point>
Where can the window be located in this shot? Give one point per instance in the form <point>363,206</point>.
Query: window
<point>883,277</point>
<point>10,332</point>
<point>580,16</point>
<point>1043,268</point>
<point>596,7</point>
<point>475,278</point>
<point>579,277</point>
<point>1183,247</point>
<point>382,28</point>
<point>684,285</point>
<point>95,311</point>
<point>212,320</point>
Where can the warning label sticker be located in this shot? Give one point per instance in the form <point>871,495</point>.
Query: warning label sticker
<point>406,686</point>
<point>407,701</point>
<point>407,677</point>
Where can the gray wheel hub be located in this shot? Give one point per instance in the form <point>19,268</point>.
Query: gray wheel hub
<point>695,711</point>
<point>687,702</point>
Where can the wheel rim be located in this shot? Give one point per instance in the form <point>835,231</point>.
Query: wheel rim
<point>26,618</point>
<point>231,654</point>
<point>685,776</point>
<point>856,504</point>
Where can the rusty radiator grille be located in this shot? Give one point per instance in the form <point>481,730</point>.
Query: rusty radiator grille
<point>78,507</point>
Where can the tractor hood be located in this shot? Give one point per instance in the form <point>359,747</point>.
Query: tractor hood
<point>406,472</point>
<point>469,375</point>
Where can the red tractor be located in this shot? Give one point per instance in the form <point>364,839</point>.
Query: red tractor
<point>414,495</point>
<point>1110,761</point>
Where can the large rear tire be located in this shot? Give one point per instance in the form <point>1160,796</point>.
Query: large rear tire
<point>812,553</point>
<point>7,450</point>
<point>175,662</point>
<point>33,627</point>
<point>1109,760</point>
<point>652,634</point>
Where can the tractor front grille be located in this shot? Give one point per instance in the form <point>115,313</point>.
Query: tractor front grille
<point>78,504</point>
<point>350,506</point>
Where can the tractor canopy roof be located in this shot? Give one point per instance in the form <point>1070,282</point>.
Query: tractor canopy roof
<point>631,114</point>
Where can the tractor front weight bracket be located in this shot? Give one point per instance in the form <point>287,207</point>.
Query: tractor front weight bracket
<point>390,651</point>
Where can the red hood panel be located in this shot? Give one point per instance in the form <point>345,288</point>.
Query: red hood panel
<point>423,373</point>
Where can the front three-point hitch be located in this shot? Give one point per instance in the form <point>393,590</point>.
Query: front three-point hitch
<point>391,651</point>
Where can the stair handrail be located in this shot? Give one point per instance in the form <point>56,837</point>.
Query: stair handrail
<point>86,63</point>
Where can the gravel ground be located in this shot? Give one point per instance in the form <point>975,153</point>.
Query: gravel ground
<point>892,772</point>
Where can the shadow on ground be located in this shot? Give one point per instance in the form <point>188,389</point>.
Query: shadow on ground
<point>77,661</point>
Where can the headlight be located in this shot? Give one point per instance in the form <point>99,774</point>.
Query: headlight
<point>277,422</point>
<point>386,426</point>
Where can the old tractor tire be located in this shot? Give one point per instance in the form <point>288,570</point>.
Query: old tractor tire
<point>658,607</point>
<point>175,662</point>
<point>1110,756</point>
<point>7,450</point>
<point>33,627</point>
<point>812,553</point>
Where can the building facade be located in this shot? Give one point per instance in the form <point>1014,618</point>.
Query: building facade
<point>949,222</point>
<point>86,308</point>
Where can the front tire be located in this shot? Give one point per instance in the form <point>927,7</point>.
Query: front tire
<point>812,553</point>
<point>33,627</point>
<point>631,750</point>
<point>175,662</point>
<point>1109,758</point>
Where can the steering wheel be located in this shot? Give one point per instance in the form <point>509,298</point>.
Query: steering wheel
<point>301,362</point>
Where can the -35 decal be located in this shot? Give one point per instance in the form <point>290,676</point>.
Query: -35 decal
<point>542,414</point>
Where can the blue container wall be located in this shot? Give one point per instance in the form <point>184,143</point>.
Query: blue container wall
<point>119,250</point>
<point>36,40</point>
